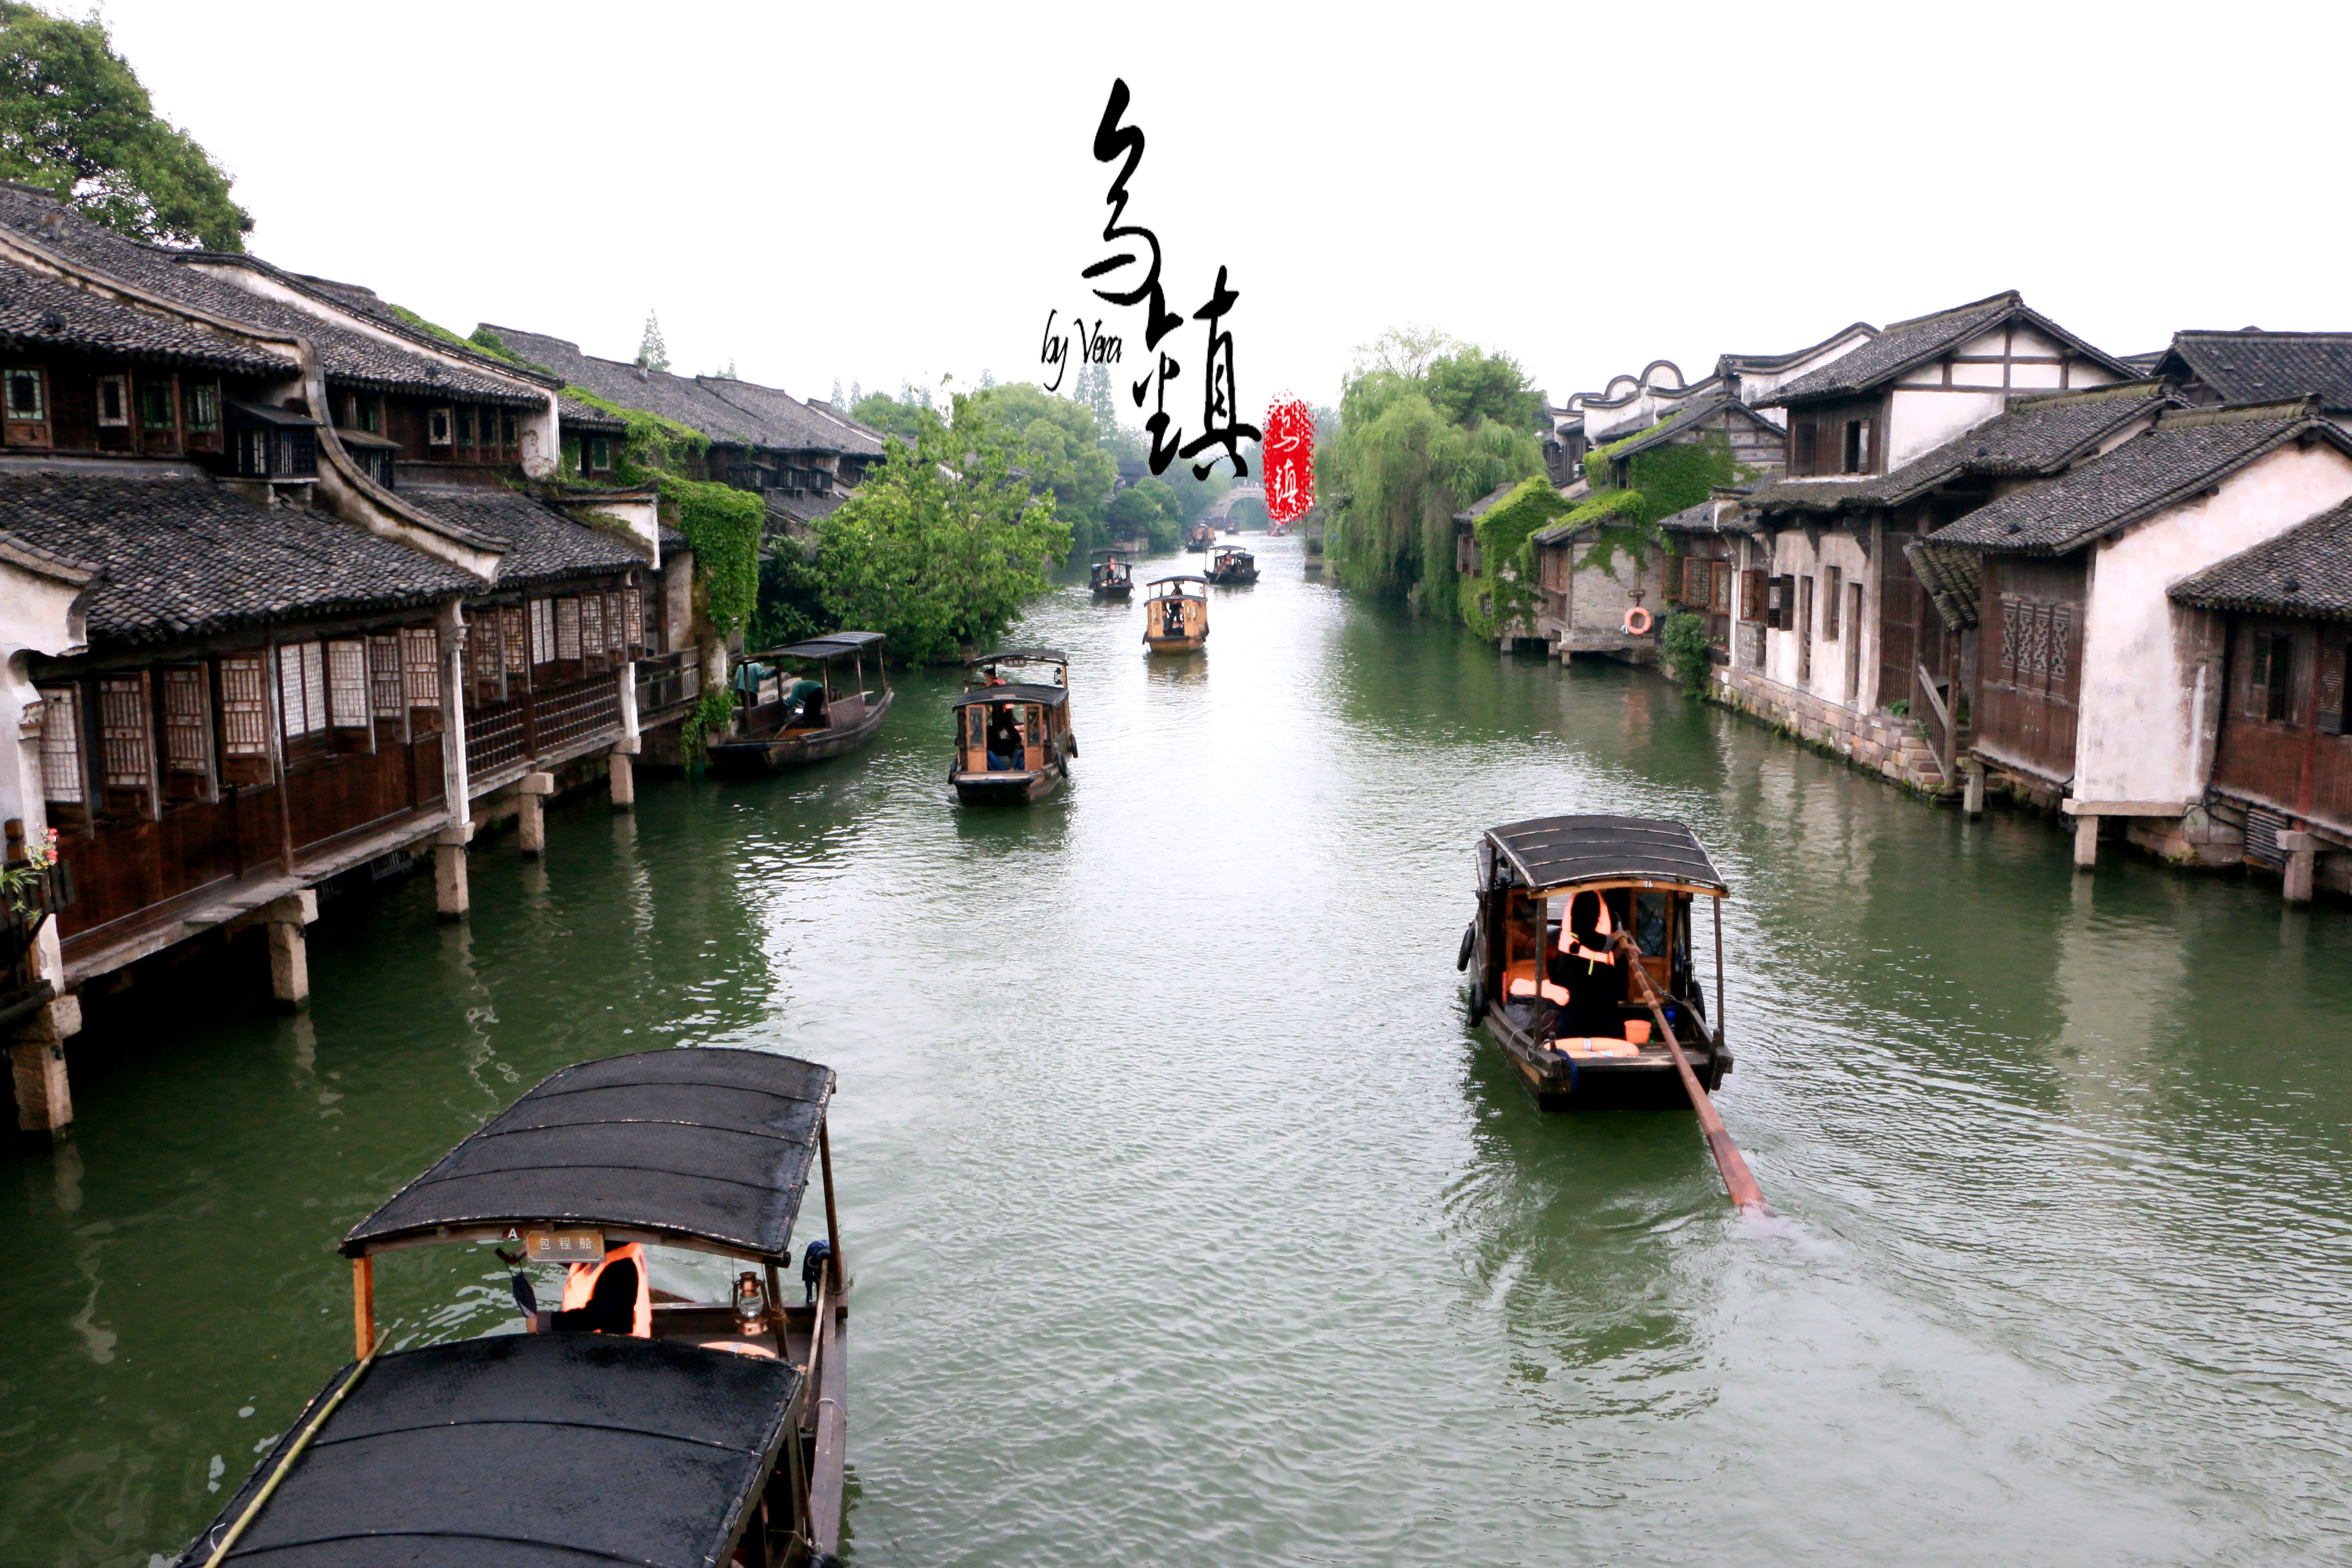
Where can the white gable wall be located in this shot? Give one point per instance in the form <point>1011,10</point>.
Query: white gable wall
<point>1929,405</point>
<point>2151,679</point>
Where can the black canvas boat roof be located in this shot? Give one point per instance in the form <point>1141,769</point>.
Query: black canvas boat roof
<point>1156,580</point>
<point>529,1451</point>
<point>1551,851</point>
<point>1013,691</point>
<point>825,646</point>
<point>1052,655</point>
<point>706,1144</point>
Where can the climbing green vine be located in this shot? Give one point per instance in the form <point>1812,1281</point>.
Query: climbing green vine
<point>1658,483</point>
<point>1507,590</point>
<point>1682,647</point>
<point>718,705</point>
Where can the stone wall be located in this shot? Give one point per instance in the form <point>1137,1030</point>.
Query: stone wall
<point>1893,748</point>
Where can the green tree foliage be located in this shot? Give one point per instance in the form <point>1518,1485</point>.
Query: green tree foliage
<point>75,122</point>
<point>653,349</point>
<point>1137,514</point>
<point>1504,591</point>
<point>1398,470</point>
<point>1470,385</point>
<point>1682,647</point>
<point>888,415</point>
<point>1656,484</point>
<point>1058,442</point>
<point>942,545</point>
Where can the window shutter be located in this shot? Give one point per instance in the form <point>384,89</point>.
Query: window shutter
<point>1669,579</point>
<point>420,662</point>
<point>1719,595</point>
<point>510,634</point>
<point>486,652</point>
<point>244,719</point>
<point>187,733</point>
<point>567,629</point>
<point>2333,657</point>
<point>1751,596</point>
<point>61,769</point>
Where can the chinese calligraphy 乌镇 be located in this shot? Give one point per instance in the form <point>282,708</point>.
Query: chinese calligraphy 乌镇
<point>1220,397</point>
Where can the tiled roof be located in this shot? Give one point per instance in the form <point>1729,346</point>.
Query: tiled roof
<point>575,414</point>
<point>2033,438</point>
<point>2255,366</point>
<point>348,355</point>
<point>1954,579</point>
<point>733,413</point>
<point>806,507</point>
<point>543,544</point>
<point>1689,417</point>
<point>1906,344</point>
<point>2306,570</point>
<point>183,557</point>
<point>1477,509</point>
<point>1739,363</point>
<point>38,313</point>
<point>2187,451</point>
<point>810,430</point>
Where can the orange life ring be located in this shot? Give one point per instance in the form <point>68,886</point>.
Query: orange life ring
<point>1637,621</point>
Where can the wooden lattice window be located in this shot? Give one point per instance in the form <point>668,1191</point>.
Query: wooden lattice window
<point>187,733</point>
<point>420,665</point>
<point>126,734</point>
<point>1719,599</point>
<point>511,639</point>
<point>346,684</point>
<point>384,695</point>
<point>542,631</point>
<point>633,615</point>
<point>616,626</point>
<point>61,766</point>
<point>567,629</point>
<point>592,625</point>
<point>2332,659</point>
<point>302,689</point>
<point>244,719</point>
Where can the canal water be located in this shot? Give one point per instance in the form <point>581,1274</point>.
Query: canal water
<point>1188,1222</point>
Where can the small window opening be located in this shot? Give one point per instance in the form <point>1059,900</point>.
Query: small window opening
<point>113,401</point>
<point>203,407</point>
<point>436,427</point>
<point>24,399</point>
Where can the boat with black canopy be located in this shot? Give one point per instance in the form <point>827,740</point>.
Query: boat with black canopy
<point>1013,737</point>
<point>1230,566</point>
<point>1175,618</point>
<point>790,709</point>
<point>1110,577</point>
<point>1200,535</point>
<point>1568,908</point>
<point>627,1424</point>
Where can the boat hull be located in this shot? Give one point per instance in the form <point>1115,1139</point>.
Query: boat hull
<point>1120,592</point>
<point>1560,1083</point>
<point>1016,788</point>
<point>1177,645</point>
<point>750,755</point>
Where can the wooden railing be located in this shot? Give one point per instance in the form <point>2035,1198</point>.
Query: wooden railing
<point>540,722</point>
<point>667,679</point>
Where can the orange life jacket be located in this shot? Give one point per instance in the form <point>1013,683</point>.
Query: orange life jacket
<point>581,1284</point>
<point>1601,928</point>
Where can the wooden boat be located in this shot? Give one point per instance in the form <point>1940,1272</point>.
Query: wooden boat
<point>627,1425</point>
<point>1110,577</point>
<point>1230,566</point>
<point>1553,894</point>
<point>1199,536</point>
<point>1034,713</point>
<point>1175,621</point>
<point>785,721</point>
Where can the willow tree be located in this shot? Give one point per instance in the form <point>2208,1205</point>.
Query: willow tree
<point>1399,469</point>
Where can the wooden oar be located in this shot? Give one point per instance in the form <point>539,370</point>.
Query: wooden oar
<point>285,1465</point>
<point>1745,1194</point>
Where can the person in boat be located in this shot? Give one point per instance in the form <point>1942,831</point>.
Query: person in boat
<point>613,1297</point>
<point>1003,741</point>
<point>1174,623</point>
<point>1586,963</point>
<point>747,676</point>
<point>805,701</point>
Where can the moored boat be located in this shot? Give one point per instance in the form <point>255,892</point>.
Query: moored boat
<point>1110,577</point>
<point>626,1424</point>
<point>1567,907</point>
<point>1012,738</point>
<point>1199,536</point>
<point>1175,620</point>
<point>784,721</point>
<point>1230,566</point>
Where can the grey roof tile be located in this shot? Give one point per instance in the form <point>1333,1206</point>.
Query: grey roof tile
<point>2032,439</point>
<point>733,413</point>
<point>543,544</point>
<point>2187,451</point>
<point>183,557</point>
<point>2255,366</point>
<point>40,312</point>
<point>2305,572</point>
<point>1906,344</point>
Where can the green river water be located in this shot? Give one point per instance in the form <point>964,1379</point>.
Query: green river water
<point>1189,1224</point>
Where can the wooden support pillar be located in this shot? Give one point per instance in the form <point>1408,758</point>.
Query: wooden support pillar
<point>289,958</point>
<point>2086,842</point>
<point>2302,865</point>
<point>451,896</point>
<point>623,780</point>
<point>532,830</point>
<point>36,1064</point>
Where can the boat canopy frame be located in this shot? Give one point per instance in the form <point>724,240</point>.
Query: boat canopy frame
<point>1547,853</point>
<point>1012,692</point>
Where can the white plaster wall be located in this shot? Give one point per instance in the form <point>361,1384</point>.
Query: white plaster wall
<point>1753,384</point>
<point>1794,555</point>
<point>38,615</point>
<point>2147,712</point>
<point>1919,422</point>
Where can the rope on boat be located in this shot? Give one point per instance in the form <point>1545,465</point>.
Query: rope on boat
<point>1746,1195</point>
<point>294,1452</point>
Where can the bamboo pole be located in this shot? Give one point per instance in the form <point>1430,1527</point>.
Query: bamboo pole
<point>1736,1181</point>
<point>832,1216</point>
<point>364,1306</point>
<point>285,1465</point>
<point>1718,975</point>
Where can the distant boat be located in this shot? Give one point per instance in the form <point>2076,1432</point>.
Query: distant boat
<point>1199,536</point>
<point>788,721</point>
<point>1174,620</point>
<point>1014,739</point>
<point>1110,577</point>
<point>1230,566</point>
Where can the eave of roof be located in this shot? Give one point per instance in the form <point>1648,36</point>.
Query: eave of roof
<point>2302,573</point>
<point>1903,346</point>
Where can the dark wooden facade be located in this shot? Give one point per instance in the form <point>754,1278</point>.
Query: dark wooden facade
<point>1842,435</point>
<point>2029,666</point>
<point>2283,741</point>
<point>66,402</point>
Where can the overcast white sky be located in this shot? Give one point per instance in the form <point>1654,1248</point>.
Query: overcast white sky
<point>885,192</point>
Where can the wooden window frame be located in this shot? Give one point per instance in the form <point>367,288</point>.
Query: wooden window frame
<point>127,773</point>
<point>167,388</point>
<point>64,755</point>
<point>121,388</point>
<point>440,428</point>
<point>200,404</point>
<point>184,693</point>
<point>1833,593</point>
<point>242,710</point>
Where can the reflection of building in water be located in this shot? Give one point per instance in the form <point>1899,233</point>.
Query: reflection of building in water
<point>2117,984</point>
